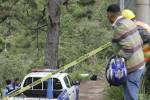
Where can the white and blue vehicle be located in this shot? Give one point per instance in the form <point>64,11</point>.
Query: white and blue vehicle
<point>58,87</point>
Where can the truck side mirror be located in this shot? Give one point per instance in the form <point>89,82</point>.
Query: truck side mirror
<point>76,83</point>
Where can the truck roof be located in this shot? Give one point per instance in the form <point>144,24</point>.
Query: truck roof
<point>43,74</point>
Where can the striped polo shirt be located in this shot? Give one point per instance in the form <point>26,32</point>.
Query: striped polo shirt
<point>128,43</point>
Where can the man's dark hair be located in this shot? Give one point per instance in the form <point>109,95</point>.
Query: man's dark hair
<point>114,8</point>
<point>8,82</point>
<point>16,79</point>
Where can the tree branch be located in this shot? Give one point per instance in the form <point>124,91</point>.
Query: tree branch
<point>39,27</point>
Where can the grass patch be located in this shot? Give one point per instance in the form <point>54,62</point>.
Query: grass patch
<point>115,93</point>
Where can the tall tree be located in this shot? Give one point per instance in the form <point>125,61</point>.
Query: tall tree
<point>52,41</point>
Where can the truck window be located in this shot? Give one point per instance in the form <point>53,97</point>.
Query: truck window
<point>39,86</point>
<point>45,85</point>
<point>57,84</point>
<point>36,91</point>
<point>57,87</point>
<point>67,82</point>
<point>27,81</point>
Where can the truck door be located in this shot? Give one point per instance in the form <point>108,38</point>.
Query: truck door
<point>74,87</point>
<point>70,88</point>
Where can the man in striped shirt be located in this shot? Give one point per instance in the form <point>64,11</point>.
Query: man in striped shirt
<point>128,44</point>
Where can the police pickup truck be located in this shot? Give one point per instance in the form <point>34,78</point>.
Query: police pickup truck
<point>59,87</point>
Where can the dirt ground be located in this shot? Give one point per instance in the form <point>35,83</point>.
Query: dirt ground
<point>93,90</point>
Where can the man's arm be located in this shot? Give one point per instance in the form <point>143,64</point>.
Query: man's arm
<point>118,43</point>
<point>145,35</point>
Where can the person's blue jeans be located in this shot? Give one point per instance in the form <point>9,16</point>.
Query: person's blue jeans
<point>132,85</point>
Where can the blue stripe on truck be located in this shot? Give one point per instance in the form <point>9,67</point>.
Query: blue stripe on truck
<point>49,89</point>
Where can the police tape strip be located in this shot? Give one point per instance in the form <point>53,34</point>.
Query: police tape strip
<point>63,68</point>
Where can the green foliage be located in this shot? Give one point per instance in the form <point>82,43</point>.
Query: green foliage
<point>82,29</point>
<point>115,93</point>
<point>77,76</point>
<point>86,2</point>
<point>13,66</point>
<point>79,13</point>
<point>143,95</point>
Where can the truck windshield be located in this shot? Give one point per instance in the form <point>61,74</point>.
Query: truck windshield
<point>67,82</point>
<point>70,80</point>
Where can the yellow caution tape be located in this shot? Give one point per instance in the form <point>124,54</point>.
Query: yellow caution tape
<point>63,68</point>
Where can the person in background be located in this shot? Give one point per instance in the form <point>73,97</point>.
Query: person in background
<point>16,83</point>
<point>127,43</point>
<point>8,88</point>
<point>144,30</point>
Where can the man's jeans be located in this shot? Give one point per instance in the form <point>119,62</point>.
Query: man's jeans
<point>132,85</point>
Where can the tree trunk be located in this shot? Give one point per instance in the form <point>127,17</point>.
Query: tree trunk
<point>52,41</point>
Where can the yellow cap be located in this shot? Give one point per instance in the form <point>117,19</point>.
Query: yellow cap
<point>128,14</point>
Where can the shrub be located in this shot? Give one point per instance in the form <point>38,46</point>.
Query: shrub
<point>76,76</point>
<point>86,2</point>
